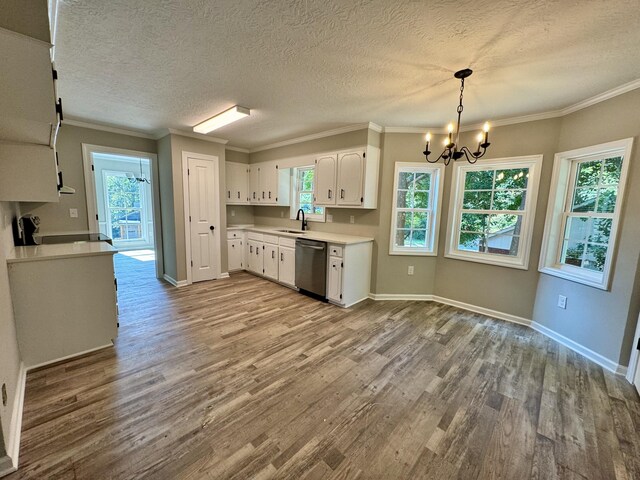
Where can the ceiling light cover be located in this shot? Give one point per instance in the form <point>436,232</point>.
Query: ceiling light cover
<point>225,118</point>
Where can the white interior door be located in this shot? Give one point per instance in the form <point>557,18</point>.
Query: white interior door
<point>202,204</point>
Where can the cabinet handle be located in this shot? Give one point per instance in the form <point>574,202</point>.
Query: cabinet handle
<point>238,195</point>
<point>254,195</point>
<point>250,248</point>
<point>273,254</point>
<point>233,246</point>
<point>228,193</point>
<point>281,257</point>
<point>329,196</point>
<point>269,194</point>
<point>342,193</point>
<point>59,109</point>
<point>263,195</point>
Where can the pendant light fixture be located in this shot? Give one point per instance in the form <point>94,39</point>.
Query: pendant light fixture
<point>452,148</point>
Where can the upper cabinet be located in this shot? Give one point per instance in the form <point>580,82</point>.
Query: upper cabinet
<point>29,173</point>
<point>348,179</point>
<point>269,184</point>
<point>27,92</point>
<point>237,180</point>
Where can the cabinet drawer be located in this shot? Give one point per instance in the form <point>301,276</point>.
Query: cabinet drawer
<point>233,234</point>
<point>270,239</point>
<point>255,236</point>
<point>288,242</point>
<point>335,251</point>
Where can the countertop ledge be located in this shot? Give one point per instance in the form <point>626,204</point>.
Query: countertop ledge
<point>328,237</point>
<point>62,250</point>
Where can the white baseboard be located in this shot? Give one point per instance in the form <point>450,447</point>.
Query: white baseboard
<point>174,282</point>
<point>581,349</point>
<point>401,296</point>
<point>604,362</point>
<point>13,442</point>
<point>68,357</point>
<point>484,311</point>
<point>223,275</point>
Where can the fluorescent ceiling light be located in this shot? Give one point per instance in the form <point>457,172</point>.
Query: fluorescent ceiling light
<point>225,118</point>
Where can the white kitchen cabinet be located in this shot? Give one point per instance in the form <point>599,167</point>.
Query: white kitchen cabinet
<point>29,173</point>
<point>237,183</point>
<point>325,180</point>
<point>334,280</point>
<point>287,267</point>
<point>58,314</point>
<point>27,94</point>
<point>255,256</point>
<point>235,254</point>
<point>349,273</point>
<point>269,184</point>
<point>352,183</point>
<point>271,261</point>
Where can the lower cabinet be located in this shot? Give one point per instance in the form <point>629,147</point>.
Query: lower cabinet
<point>235,254</point>
<point>255,256</point>
<point>334,280</point>
<point>271,261</point>
<point>287,268</point>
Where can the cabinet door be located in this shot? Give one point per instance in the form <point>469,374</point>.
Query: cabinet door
<point>230,182</point>
<point>234,249</point>
<point>325,180</point>
<point>242,185</point>
<point>287,268</point>
<point>268,183</point>
<point>350,177</point>
<point>254,184</point>
<point>254,258</point>
<point>271,261</point>
<point>335,279</point>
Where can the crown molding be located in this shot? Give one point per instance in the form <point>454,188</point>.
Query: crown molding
<point>237,149</point>
<point>375,127</point>
<point>106,128</point>
<point>614,92</point>
<point>199,136</point>
<point>315,136</point>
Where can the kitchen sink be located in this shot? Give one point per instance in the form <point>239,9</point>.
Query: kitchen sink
<point>298,232</point>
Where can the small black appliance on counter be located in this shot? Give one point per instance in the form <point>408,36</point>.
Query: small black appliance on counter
<point>25,229</point>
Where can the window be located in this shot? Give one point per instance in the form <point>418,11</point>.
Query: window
<point>416,208</point>
<point>125,211</point>
<point>492,210</point>
<point>303,181</point>
<point>584,209</point>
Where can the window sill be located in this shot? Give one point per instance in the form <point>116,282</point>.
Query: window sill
<point>408,253</point>
<point>595,281</point>
<point>490,259</point>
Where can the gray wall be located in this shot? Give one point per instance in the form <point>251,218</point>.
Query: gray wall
<point>9,353</point>
<point>603,321</point>
<point>165,174</point>
<point>55,216</point>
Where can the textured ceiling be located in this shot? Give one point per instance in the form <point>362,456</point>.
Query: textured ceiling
<point>304,66</point>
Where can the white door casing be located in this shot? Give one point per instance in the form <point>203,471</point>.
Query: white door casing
<point>201,197</point>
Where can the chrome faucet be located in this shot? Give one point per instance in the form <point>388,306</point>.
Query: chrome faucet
<point>304,222</point>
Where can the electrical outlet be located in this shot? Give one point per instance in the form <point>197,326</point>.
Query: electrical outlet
<point>562,301</point>
<point>410,270</point>
<point>281,213</point>
<point>73,212</point>
<point>329,218</point>
<point>352,219</point>
<point>233,213</point>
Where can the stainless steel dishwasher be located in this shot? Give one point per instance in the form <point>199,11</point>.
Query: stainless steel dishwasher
<point>311,267</point>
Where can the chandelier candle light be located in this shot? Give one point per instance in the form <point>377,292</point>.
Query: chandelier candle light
<point>452,150</point>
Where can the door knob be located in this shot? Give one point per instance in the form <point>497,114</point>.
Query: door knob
<point>212,228</point>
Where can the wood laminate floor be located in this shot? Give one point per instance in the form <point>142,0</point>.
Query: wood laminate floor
<point>242,378</point>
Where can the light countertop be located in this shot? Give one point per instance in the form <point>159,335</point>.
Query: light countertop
<point>337,238</point>
<point>62,250</point>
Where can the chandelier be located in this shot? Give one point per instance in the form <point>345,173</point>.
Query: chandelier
<point>452,148</point>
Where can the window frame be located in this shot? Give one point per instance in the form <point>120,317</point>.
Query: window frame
<point>295,204</point>
<point>521,261</point>
<point>435,201</point>
<point>560,199</point>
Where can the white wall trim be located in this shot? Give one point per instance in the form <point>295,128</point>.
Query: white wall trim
<point>237,149</point>
<point>635,353</point>
<point>107,128</point>
<point>174,282</point>
<point>581,349</point>
<point>484,311</point>
<point>224,275</point>
<point>69,357</point>
<point>601,97</point>
<point>314,136</point>
<point>561,339</point>
<point>15,428</point>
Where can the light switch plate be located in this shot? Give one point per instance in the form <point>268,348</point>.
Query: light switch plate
<point>73,212</point>
<point>352,219</point>
<point>410,270</point>
<point>562,301</point>
<point>329,218</point>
